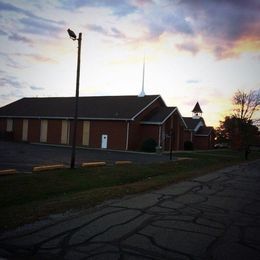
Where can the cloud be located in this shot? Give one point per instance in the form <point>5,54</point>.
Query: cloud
<point>97,28</point>
<point>31,23</point>
<point>41,27</point>
<point>112,32</point>
<point>116,33</point>
<point>11,82</point>
<point>189,47</point>
<point>143,3</point>
<point>17,37</point>
<point>35,57</point>
<point>169,21</point>
<point>118,7</point>
<point>10,62</point>
<point>193,81</point>
<point>12,59</point>
<point>10,96</point>
<point>35,88</point>
<point>11,8</point>
<point>223,24</point>
<point>3,32</point>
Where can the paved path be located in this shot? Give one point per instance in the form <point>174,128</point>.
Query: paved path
<point>216,216</point>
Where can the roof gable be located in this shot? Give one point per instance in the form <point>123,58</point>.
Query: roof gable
<point>96,107</point>
<point>193,123</point>
<point>159,116</point>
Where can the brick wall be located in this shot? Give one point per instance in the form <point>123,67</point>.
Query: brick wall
<point>17,129</point>
<point>34,127</point>
<point>54,132</point>
<point>116,131</point>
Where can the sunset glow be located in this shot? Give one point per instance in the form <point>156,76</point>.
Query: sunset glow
<point>195,50</point>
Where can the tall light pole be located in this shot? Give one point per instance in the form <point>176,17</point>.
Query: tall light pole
<point>73,151</point>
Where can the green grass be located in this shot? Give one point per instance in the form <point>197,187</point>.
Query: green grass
<point>27,197</point>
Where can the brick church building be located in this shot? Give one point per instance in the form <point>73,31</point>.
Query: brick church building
<point>108,122</point>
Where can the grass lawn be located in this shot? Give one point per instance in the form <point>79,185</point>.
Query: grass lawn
<point>30,196</point>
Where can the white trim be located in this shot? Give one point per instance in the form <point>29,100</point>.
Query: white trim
<point>169,115</point>
<point>146,107</point>
<point>159,123</point>
<point>150,123</point>
<point>198,126</point>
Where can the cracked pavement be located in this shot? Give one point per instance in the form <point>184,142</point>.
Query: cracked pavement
<point>215,216</point>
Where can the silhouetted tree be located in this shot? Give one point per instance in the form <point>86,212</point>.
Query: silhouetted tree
<point>238,132</point>
<point>246,104</point>
<point>239,129</point>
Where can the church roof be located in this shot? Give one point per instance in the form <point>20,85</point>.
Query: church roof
<point>192,123</point>
<point>197,108</point>
<point>159,116</point>
<point>96,107</point>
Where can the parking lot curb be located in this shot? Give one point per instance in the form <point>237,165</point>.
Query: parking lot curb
<point>123,162</point>
<point>48,167</point>
<point>7,172</point>
<point>93,164</point>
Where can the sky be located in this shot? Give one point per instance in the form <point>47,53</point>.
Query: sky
<point>195,50</point>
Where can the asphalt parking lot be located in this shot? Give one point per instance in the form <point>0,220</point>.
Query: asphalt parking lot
<point>24,156</point>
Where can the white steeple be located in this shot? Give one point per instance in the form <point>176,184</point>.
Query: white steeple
<point>142,94</point>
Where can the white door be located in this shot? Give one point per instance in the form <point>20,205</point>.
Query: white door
<point>104,141</point>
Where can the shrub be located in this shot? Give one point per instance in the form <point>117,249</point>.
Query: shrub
<point>149,145</point>
<point>188,146</point>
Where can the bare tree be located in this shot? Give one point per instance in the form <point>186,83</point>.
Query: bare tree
<point>246,104</point>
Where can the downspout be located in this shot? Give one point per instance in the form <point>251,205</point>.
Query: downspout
<point>127,135</point>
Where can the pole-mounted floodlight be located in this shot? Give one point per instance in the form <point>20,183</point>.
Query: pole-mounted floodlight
<point>73,152</point>
<point>72,34</point>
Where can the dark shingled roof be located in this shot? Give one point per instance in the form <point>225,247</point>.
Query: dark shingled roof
<point>99,107</point>
<point>197,108</point>
<point>159,115</point>
<point>204,130</point>
<point>191,122</point>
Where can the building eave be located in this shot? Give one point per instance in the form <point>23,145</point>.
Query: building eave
<point>201,134</point>
<point>67,118</point>
<point>150,123</point>
<point>137,114</point>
